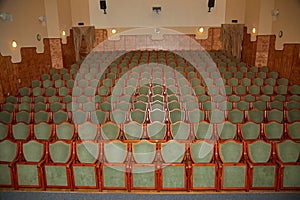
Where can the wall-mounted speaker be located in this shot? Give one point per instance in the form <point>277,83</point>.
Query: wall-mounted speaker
<point>211,4</point>
<point>103,5</point>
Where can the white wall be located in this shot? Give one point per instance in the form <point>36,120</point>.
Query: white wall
<point>138,13</point>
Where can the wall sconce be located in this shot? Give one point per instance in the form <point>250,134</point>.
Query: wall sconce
<point>6,17</point>
<point>113,31</point>
<point>64,37</point>
<point>103,6</point>
<point>14,44</point>
<point>42,19</point>
<point>254,30</point>
<point>19,81</point>
<point>156,9</point>
<point>275,12</point>
<point>201,30</point>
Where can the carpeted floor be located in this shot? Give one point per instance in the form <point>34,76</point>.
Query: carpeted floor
<point>162,196</point>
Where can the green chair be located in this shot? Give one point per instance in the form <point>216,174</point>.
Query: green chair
<point>133,131</point>
<point>255,90</point>
<point>138,115</point>
<point>65,131</point>
<point>204,167</point>
<point>140,105</point>
<point>59,117</point>
<point>9,107</point>
<point>262,168</point>
<point>268,90</point>
<point>23,116</point>
<point>273,131</point>
<point>24,107</point>
<point>36,83</point>
<point>203,130</point>
<point>57,168</point>
<point>173,105</point>
<point>8,154</point>
<point>288,155</point>
<point>180,130</point>
<point>29,170</point>
<point>114,167</point>
<point>250,131</point>
<point>275,115</point>
<point>157,115</point>
<point>4,131</point>
<point>293,131</point>
<point>54,107</point>
<point>277,105</point>
<point>292,115</point>
<point>143,174</point>
<point>295,89</point>
<point>260,105</point>
<point>256,116</point>
<point>25,91</point>
<point>243,105</point>
<point>98,117</point>
<point>240,90</point>
<point>195,115</point>
<point>176,115</point>
<point>282,89</point>
<point>273,75</point>
<point>283,81</point>
<point>21,131</point>
<point>233,171</point>
<point>110,131</point>
<point>172,170</point>
<point>41,116</point>
<point>236,116</point>
<point>157,130</point>
<point>292,105</point>
<point>227,130</point>
<point>42,131</point>
<point>11,99</point>
<point>86,173</point>
<point>87,131</point>
<point>47,83</point>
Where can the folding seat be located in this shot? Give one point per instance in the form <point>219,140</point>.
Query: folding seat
<point>25,99</point>
<point>176,115</point>
<point>283,81</point>
<point>268,90</point>
<point>78,117</point>
<point>157,115</point>
<point>87,131</point>
<point>282,89</point>
<point>59,83</point>
<point>172,170</point>
<point>292,105</point>
<point>232,168</point>
<point>173,105</point>
<point>256,116</point>
<point>293,115</point>
<point>295,90</point>
<point>293,131</point>
<point>106,106</point>
<point>180,130</point>
<point>250,75</point>
<point>37,91</point>
<point>140,105</point>
<point>262,166</point>
<point>53,71</point>
<point>265,98</point>
<point>275,115</point>
<point>41,116</point>
<point>287,152</point>
<point>243,105</point>
<point>246,82</point>
<point>276,105</point>
<point>254,69</point>
<point>115,166</point>
<point>40,107</point>
<point>9,107</point>
<point>216,116</point>
<point>157,130</point>
<point>279,98</point>
<point>270,81</point>
<point>294,98</point>
<point>208,105</point>
<point>53,99</point>
<point>36,83</point>
<point>65,131</point>
<point>70,84</point>
<point>157,89</point>
<point>60,116</point>
<point>225,106</point>
<point>260,105</point>
<point>42,131</point>
<point>54,107</point>
<point>142,98</point>
<point>89,107</point>
<point>25,91</point>
<point>63,91</point>
<point>262,75</point>
<point>226,130</point>
<point>255,90</point>
<point>133,131</point>
<point>110,131</point>
<point>9,153</point>
<point>195,82</point>
<point>21,131</point>
<point>23,116</point>
<point>40,99</point>
<point>86,173</point>
<point>138,115</point>
<point>24,107</point>
<point>67,77</point>
<point>47,83</point>
<point>98,117</point>
<point>273,131</point>
<point>233,82</point>
<point>234,98</point>
<point>4,131</point>
<point>250,131</point>
<point>57,166</point>
<point>236,116</point>
<point>28,170</point>
<point>203,175</point>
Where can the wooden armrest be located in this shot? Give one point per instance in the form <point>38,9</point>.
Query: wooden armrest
<point>279,163</point>
<point>249,163</point>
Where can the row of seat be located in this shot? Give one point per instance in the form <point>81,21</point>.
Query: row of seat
<point>158,131</point>
<point>201,165</point>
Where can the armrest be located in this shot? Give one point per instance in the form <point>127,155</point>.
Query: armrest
<point>279,163</point>
<point>42,162</point>
<point>249,163</point>
<point>219,163</point>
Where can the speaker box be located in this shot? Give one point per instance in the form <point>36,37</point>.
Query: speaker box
<point>102,4</point>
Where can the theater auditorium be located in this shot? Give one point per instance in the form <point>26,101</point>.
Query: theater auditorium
<point>149,99</point>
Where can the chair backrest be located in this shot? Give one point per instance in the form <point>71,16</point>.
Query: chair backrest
<point>156,130</point>
<point>65,131</point>
<point>227,130</point>
<point>110,131</point>
<point>173,151</point>
<point>202,152</point>
<point>60,151</point>
<point>203,130</point>
<point>87,131</point>
<point>273,130</point>
<point>87,152</point>
<point>288,151</point>
<point>180,130</point>
<point>3,131</point>
<point>33,151</point>
<point>293,130</point>
<point>144,152</point>
<point>115,152</point>
<point>21,131</point>
<point>8,151</point>
<point>133,130</point>
<point>250,131</point>
<point>230,151</point>
<point>259,151</point>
